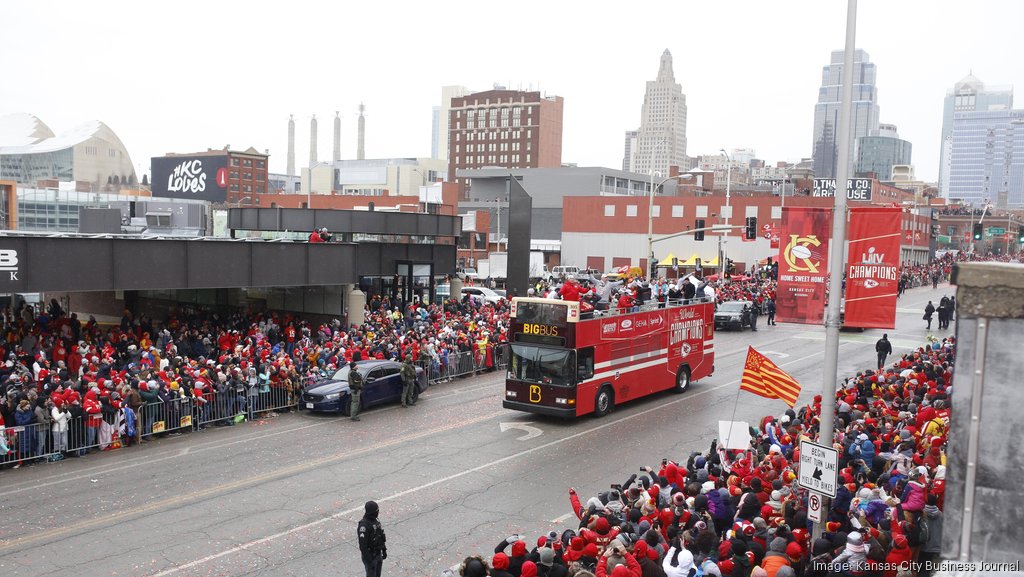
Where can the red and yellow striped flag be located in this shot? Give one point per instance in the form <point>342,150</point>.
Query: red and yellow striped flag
<point>763,377</point>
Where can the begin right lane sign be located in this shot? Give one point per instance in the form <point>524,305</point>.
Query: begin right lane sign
<point>818,468</point>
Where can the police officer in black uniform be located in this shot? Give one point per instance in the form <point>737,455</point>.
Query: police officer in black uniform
<point>372,541</point>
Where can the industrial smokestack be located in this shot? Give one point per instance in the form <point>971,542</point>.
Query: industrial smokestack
<point>291,145</point>
<point>337,136</point>
<point>312,142</point>
<point>360,150</point>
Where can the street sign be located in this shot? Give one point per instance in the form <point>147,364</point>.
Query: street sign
<point>818,467</point>
<point>814,507</point>
<point>994,230</point>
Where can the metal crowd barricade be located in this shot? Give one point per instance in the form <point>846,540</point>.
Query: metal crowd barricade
<point>270,398</point>
<point>462,363</point>
<point>171,416</point>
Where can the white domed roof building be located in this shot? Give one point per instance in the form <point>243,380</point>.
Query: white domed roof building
<point>89,152</point>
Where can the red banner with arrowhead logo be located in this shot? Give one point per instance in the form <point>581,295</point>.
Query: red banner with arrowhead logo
<point>872,267</point>
<point>803,264</point>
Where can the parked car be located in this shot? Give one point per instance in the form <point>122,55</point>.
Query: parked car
<point>382,383</point>
<point>482,294</point>
<point>733,314</point>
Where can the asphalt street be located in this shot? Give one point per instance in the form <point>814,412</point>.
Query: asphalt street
<point>454,475</point>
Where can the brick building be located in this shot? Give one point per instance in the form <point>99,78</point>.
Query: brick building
<point>504,128</point>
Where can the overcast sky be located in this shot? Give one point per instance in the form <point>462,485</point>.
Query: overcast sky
<point>186,76</point>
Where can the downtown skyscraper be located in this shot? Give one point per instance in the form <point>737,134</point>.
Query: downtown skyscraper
<point>826,112</point>
<point>968,95</point>
<point>661,140</point>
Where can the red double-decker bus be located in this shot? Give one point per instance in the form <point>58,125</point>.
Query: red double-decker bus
<point>563,365</point>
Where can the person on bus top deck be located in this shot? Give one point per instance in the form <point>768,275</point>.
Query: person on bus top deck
<point>571,290</point>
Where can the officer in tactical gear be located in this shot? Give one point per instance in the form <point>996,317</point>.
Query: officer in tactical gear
<point>408,373</point>
<point>355,387</point>
<point>372,541</point>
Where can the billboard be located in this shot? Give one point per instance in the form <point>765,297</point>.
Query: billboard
<point>872,267</point>
<point>803,264</point>
<point>858,188</point>
<point>196,177</point>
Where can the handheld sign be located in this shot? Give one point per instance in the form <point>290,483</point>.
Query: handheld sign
<point>818,468</point>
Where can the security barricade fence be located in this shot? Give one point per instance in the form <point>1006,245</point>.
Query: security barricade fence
<point>177,415</point>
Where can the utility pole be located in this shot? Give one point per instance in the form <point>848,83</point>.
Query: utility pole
<point>837,249</point>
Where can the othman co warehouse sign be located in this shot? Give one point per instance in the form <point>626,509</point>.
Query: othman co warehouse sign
<point>198,177</point>
<point>859,188</point>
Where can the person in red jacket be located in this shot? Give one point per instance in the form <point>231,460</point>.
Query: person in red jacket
<point>630,569</point>
<point>899,557</point>
<point>93,415</point>
<point>571,290</point>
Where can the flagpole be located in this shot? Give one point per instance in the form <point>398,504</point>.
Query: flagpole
<point>837,258</point>
<point>732,420</point>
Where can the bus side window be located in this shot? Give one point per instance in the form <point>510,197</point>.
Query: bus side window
<point>585,364</point>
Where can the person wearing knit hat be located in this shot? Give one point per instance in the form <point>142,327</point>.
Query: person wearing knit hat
<point>529,569</point>
<point>546,556</point>
<point>775,557</point>
<point>758,572</point>
<point>854,553</point>
<point>794,552</point>
<point>500,565</point>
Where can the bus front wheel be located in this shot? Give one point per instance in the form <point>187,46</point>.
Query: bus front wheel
<point>682,379</point>
<point>604,402</point>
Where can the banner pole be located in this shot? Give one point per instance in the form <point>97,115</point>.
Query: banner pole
<point>837,259</point>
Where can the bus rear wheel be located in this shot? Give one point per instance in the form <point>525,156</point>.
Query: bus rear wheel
<point>682,379</point>
<point>604,402</point>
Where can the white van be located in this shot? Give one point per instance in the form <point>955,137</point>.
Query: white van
<point>565,272</point>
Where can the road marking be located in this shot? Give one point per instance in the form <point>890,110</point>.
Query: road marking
<point>194,496</point>
<point>531,432</point>
<point>171,453</point>
<point>562,518</point>
<point>400,494</point>
<point>777,353</point>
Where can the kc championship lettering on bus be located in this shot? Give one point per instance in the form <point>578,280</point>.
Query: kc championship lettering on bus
<point>873,262</point>
<point>803,264</point>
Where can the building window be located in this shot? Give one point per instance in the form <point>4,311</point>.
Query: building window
<point>234,188</point>
<point>234,175</point>
<point>677,211</point>
<point>248,176</point>
<point>630,210</point>
<point>609,210</point>
<point>261,164</point>
<point>234,162</point>
<point>259,189</point>
<point>259,176</point>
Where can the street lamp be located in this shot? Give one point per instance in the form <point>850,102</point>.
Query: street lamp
<point>238,203</point>
<point>727,212</point>
<point>650,215</point>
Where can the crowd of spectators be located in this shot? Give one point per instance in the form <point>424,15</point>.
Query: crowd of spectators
<point>71,388</point>
<point>741,513</point>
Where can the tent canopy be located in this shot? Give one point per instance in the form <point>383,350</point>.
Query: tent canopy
<point>667,261</point>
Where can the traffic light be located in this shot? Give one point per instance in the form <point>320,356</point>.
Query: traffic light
<point>1020,235</point>
<point>977,231</point>
<point>751,230</point>
<point>698,224</point>
<point>697,263</point>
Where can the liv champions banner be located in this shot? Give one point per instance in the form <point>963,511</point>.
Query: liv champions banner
<point>803,264</point>
<point>872,267</point>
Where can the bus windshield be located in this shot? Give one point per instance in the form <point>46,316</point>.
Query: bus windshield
<point>542,365</point>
